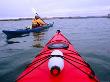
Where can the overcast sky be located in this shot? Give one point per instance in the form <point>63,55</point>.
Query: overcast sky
<point>49,8</point>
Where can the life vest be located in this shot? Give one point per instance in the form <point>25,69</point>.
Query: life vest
<point>37,22</point>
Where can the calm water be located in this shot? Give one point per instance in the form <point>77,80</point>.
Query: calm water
<point>90,37</point>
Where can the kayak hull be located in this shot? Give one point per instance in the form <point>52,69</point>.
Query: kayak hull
<point>75,68</point>
<point>20,32</point>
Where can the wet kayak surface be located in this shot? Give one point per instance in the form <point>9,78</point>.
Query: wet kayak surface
<point>90,37</point>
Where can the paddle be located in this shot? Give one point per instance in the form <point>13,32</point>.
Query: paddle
<point>35,12</point>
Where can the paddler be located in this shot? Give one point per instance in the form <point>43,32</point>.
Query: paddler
<point>37,21</point>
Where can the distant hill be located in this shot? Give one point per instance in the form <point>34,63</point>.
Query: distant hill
<point>47,18</point>
<point>108,15</point>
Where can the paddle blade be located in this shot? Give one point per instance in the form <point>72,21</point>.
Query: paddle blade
<point>34,10</point>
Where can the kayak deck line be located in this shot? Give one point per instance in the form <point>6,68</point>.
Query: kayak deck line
<point>74,65</point>
<point>49,56</point>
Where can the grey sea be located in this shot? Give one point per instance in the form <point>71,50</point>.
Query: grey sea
<point>90,37</point>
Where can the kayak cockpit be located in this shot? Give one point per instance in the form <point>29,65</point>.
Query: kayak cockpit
<point>60,45</point>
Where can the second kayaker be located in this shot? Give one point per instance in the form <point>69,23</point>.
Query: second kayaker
<point>37,21</point>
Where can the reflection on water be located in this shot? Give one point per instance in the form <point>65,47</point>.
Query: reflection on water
<point>37,39</point>
<point>11,42</point>
<point>14,36</point>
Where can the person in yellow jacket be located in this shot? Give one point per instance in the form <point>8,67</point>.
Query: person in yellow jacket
<point>37,22</point>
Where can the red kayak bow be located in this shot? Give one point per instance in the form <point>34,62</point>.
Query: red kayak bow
<point>58,61</point>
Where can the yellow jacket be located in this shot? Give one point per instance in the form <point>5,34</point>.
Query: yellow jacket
<point>38,22</point>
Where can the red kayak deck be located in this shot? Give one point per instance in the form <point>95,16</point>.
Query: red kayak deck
<point>75,68</point>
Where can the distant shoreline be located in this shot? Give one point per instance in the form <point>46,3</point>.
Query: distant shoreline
<point>46,18</point>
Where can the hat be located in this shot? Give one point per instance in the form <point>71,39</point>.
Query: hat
<point>37,16</point>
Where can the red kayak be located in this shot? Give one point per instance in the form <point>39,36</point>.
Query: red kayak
<point>58,61</point>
